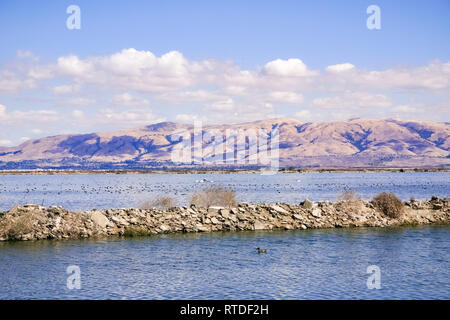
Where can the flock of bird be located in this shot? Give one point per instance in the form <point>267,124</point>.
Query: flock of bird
<point>131,190</point>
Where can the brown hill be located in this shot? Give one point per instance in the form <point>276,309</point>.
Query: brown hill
<point>344,144</point>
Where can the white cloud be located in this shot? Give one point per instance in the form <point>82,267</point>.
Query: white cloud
<point>26,54</point>
<point>404,109</point>
<point>80,101</point>
<point>340,67</point>
<point>66,89</point>
<point>223,105</point>
<point>286,97</point>
<point>10,82</point>
<point>171,73</point>
<point>304,115</point>
<point>36,131</point>
<point>74,66</point>
<point>78,114</point>
<point>195,95</point>
<point>129,118</point>
<point>6,143</point>
<point>210,87</point>
<point>127,100</point>
<point>190,118</point>
<point>286,68</point>
<point>18,117</point>
<point>353,100</point>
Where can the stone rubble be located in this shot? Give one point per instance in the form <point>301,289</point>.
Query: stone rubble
<point>34,222</point>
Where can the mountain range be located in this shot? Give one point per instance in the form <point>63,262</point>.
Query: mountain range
<point>356,143</point>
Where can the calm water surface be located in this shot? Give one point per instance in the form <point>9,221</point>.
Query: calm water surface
<point>319,264</point>
<point>87,191</point>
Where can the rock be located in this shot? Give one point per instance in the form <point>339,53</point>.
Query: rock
<point>317,213</point>
<point>259,226</point>
<point>279,209</point>
<point>303,227</point>
<point>437,206</point>
<point>214,220</point>
<point>202,228</point>
<point>100,219</point>
<point>215,208</point>
<point>191,211</point>
<point>164,228</point>
<point>307,204</point>
<point>225,213</point>
<point>119,221</point>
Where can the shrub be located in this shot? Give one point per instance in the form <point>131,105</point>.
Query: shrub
<point>214,196</point>
<point>389,204</point>
<point>136,232</point>
<point>163,202</point>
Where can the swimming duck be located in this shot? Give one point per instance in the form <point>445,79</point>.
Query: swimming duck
<point>261,250</point>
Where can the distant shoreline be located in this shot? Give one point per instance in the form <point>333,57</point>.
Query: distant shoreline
<point>211,171</point>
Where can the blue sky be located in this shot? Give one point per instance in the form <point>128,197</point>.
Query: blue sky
<point>401,70</point>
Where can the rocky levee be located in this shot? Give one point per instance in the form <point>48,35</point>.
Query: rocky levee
<point>34,222</point>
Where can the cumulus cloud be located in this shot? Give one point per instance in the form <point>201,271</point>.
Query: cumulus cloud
<point>80,101</point>
<point>77,114</point>
<point>36,131</point>
<point>172,73</point>
<point>74,66</point>
<point>218,90</point>
<point>191,118</point>
<point>340,67</point>
<point>66,89</point>
<point>26,54</point>
<point>6,143</point>
<point>353,100</point>
<point>223,105</point>
<point>127,100</point>
<point>304,115</point>
<point>11,82</point>
<point>129,118</point>
<point>286,97</point>
<point>19,117</point>
<point>191,95</point>
<point>287,68</point>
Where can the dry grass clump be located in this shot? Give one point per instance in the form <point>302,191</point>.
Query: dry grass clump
<point>14,224</point>
<point>350,201</point>
<point>214,196</point>
<point>389,204</point>
<point>162,202</point>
